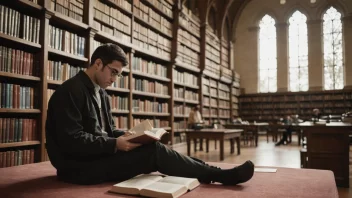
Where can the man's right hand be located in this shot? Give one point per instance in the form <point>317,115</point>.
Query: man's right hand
<point>124,145</point>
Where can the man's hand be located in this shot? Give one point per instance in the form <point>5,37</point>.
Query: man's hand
<point>123,144</point>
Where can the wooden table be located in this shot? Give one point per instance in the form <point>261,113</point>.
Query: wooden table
<point>217,134</point>
<point>246,127</point>
<point>328,148</point>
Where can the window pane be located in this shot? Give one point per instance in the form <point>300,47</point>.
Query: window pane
<point>298,52</point>
<point>267,55</point>
<point>333,50</point>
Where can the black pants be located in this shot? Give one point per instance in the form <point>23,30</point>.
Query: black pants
<point>144,159</point>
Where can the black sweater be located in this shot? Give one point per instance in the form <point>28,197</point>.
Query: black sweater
<point>73,130</point>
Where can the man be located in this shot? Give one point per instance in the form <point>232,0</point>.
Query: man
<point>85,147</point>
<point>288,125</point>
<point>194,118</point>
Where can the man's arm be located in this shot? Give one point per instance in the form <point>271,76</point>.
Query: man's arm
<point>71,136</point>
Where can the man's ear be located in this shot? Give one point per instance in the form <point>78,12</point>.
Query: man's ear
<point>98,63</point>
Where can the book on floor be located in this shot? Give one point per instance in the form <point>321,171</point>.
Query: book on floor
<point>151,185</point>
<point>145,133</point>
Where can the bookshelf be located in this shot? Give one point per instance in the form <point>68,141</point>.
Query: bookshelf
<point>272,107</point>
<point>48,41</point>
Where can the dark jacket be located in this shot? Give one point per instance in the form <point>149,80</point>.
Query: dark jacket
<point>73,125</point>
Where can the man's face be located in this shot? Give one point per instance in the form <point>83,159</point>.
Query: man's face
<point>107,75</point>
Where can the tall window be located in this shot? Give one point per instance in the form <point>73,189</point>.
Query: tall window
<point>298,52</point>
<point>267,55</point>
<point>333,50</point>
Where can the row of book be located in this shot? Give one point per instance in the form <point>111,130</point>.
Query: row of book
<point>10,24</point>
<point>187,56</point>
<point>184,77</point>
<point>121,82</point>
<point>16,96</point>
<point>17,130</point>
<point>189,40</point>
<point>212,66</point>
<point>180,125</point>
<point>223,103</point>
<point>121,122</point>
<point>118,102</point>
<point>150,16</point>
<point>149,86</point>
<point>224,113</point>
<point>16,158</point>
<point>139,105</point>
<point>70,8</point>
<point>188,95</point>
<point>223,94</point>
<point>149,40</point>
<point>149,67</point>
<point>182,110</point>
<point>112,17</point>
<point>61,71</point>
<point>66,41</point>
<point>224,87</point>
<point>17,61</point>
<point>191,25</point>
<point>213,102</point>
<point>165,6</point>
<point>157,123</point>
<point>225,56</point>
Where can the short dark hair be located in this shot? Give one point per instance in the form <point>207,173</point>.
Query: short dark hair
<point>108,53</point>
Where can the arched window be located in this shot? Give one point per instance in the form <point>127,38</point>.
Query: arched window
<point>298,52</point>
<point>267,55</point>
<point>333,50</point>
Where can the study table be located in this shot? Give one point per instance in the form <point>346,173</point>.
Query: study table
<point>217,134</point>
<point>254,127</point>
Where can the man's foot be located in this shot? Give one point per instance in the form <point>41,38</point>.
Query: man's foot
<point>239,174</point>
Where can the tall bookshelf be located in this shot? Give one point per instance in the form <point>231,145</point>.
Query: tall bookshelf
<point>49,41</point>
<point>271,107</point>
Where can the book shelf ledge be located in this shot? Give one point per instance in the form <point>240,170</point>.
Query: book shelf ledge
<point>67,55</point>
<point>188,30</point>
<point>20,41</point>
<point>19,76</point>
<point>151,76</point>
<point>186,85</point>
<point>18,144</point>
<point>180,116</point>
<point>112,39</point>
<point>179,99</point>
<point>156,9</point>
<point>11,110</point>
<point>224,117</point>
<point>125,11</point>
<point>118,89</point>
<point>151,114</point>
<point>150,94</point>
<point>166,128</point>
<point>185,66</point>
<point>192,101</point>
<point>224,107</point>
<point>139,50</point>
<point>180,130</point>
<point>206,105</point>
<point>54,82</point>
<point>225,79</point>
<point>30,5</point>
<point>210,74</point>
<point>223,98</point>
<point>145,23</point>
<point>117,111</point>
<point>189,46</point>
<point>68,21</point>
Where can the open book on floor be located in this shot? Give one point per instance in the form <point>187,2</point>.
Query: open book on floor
<point>145,133</point>
<point>150,185</point>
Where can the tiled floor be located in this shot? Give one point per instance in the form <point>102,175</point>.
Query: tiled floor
<point>266,154</point>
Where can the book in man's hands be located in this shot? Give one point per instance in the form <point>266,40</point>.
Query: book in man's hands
<point>151,185</point>
<point>145,133</point>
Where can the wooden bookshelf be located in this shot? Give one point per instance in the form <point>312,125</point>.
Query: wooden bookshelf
<point>162,35</point>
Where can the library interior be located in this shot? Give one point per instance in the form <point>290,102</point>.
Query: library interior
<point>228,80</point>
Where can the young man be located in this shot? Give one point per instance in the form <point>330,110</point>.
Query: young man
<point>85,147</point>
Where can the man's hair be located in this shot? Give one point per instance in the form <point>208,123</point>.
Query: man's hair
<point>108,53</point>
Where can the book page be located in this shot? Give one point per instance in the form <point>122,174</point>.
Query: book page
<point>160,189</point>
<point>141,127</point>
<point>157,132</point>
<point>190,183</point>
<point>135,184</point>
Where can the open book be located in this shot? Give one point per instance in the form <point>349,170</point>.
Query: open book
<point>145,133</point>
<point>150,185</point>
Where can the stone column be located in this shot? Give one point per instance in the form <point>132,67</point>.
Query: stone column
<point>282,57</point>
<point>347,36</point>
<point>315,55</point>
